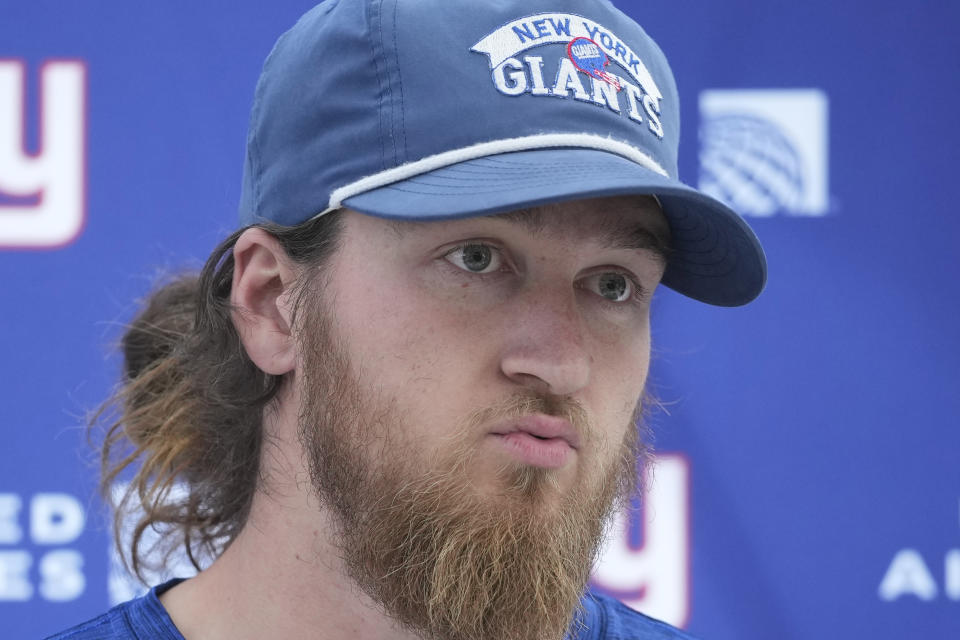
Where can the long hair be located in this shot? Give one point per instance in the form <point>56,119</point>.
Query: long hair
<point>189,408</point>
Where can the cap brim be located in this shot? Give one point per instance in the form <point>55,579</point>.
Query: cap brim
<point>715,257</point>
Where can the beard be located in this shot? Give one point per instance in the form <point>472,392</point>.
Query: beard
<point>415,534</point>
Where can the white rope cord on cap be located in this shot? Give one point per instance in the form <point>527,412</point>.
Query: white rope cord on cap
<point>494,147</point>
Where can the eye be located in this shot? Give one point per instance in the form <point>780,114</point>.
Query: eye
<point>615,287</point>
<point>476,257</point>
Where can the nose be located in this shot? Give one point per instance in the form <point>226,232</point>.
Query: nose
<point>545,347</point>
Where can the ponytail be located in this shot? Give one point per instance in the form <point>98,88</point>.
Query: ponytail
<point>189,408</point>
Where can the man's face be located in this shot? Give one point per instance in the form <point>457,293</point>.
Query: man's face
<point>470,390</point>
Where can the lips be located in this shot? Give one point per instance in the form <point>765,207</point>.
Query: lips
<point>543,427</point>
<point>539,440</point>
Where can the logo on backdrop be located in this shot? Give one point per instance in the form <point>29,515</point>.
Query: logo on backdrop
<point>42,192</point>
<point>36,560</point>
<point>910,576</point>
<point>646,560</point>
<point>590,49</point>
<point>764,152</point>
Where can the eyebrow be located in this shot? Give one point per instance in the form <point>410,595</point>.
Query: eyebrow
<point>630,237</point>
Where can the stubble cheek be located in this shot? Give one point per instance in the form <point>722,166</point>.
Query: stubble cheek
<point>407,356</point>
<point>621,376</point>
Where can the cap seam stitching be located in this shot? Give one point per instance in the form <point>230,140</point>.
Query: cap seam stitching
<point>400,158</point>
<point>256,163</point>
<point>380,84</point>
<point>393,137</point>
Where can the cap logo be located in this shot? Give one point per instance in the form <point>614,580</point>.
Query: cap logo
<point>587,57</point>
<point>590,50</point>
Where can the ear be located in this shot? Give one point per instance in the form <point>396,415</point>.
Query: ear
<point>262,277</point>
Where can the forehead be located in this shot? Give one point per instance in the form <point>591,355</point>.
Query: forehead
<point>627,220</point>
<point>619,222</point>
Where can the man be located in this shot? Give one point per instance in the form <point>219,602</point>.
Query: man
<point>403,398</point>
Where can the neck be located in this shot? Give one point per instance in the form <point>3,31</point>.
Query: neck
<point>282,576</point>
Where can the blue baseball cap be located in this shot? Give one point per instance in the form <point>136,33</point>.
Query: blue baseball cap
<point>438,109</point>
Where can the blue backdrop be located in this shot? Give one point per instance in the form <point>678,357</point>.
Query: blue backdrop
<point>809,486</point>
